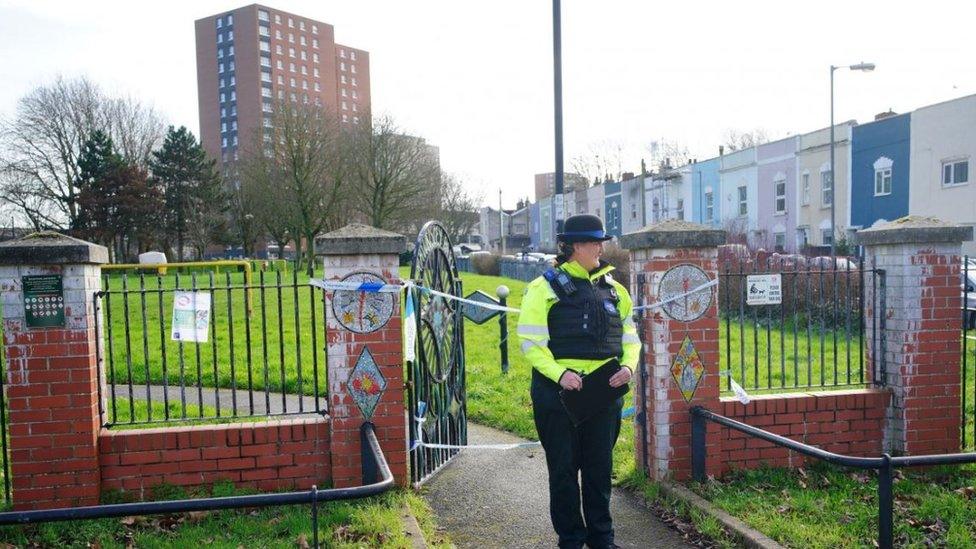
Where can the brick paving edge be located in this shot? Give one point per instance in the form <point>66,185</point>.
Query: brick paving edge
<point>412,528</point>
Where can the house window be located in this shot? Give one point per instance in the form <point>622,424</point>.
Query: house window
<point>826,188</point>
<point>345,107</point>
<point>281,80</point>
<point>220,54</point>
<point>801,238</point>
<point>352,68</point>
<point>291,52</point>
<point>266,77</point>
<point>278,34</point>
<point>220,22</point>
<point>301,25</point>
<point>352,55</point>
<point>264,46</point>
<point>304,56</point>
<point>280,65</point>
<point>315,29</point>
<point>354,94</point>
<point>353,80</point>
<point>230,35</point>
<point>265,62</point>
<point>780,198</point>
<point>263,15</point>
<point>304,84</point>
<point>291,23</point>
<point>220,38</point>
<point>264,31</point>
<point>355,120</point>
<point>882,176</point>
<point>265,92</point>
<point>743,203</point>
<point>301,40</point>
<point>315,57</point>
<point>679,213</point>
<point>277,19</point>
<point>827,237</point>
<point>955,172</point>
<point>278,49</point>
<point>779,241</point>
<point>304,69</point>
<point>343,92</point>
<point>805,195</point>
<point>230,20</point>
<point>342,77</point>
<point>291,38</point>
<point>315,72</point>
<point>342,66</point>
<point>345,118</point>
<point>292,81</point>
<point>342,54</point>
<point>315,43</point>
<point>291,67</point>
<point>709,207</point>
<point>317,87</point>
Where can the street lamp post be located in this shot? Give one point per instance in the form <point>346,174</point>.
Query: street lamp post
<point>862,66</point>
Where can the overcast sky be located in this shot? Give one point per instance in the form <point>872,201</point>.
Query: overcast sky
<point>476,78</point>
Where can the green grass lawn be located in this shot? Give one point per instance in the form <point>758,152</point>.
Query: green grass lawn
<point>372,522</point>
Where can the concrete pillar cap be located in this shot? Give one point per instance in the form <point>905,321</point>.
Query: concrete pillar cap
<point>674,233</point>
<point>357,238</point>
<point>913,229</point>
<point>51,248</point>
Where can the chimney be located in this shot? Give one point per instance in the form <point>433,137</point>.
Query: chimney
<point>883,115</point>
<point>721,150</point>
<point>626,176</point>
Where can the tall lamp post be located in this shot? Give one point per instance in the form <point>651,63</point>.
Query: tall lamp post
<point>557,73</point>
<point>862,66</point>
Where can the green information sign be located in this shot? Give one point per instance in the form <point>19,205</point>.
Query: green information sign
<point>44,301</point>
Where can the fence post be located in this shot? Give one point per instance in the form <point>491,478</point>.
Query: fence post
<point>672,339</point>
<point>699,428</point>
<point>920,329</point>
<point>502,292</point>
<point>365,351</point>
<point>885,504</point>
<point>48,282</point>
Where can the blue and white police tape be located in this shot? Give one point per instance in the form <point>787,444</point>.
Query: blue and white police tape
<point>420,419</point>
<point>671,299</point>
<point>369,287</point>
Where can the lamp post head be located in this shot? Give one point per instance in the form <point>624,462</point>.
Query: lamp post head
<point>863,67</point>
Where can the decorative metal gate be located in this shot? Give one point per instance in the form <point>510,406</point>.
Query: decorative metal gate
<point>436,377</point>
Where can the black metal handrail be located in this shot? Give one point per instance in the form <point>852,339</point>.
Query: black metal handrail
<point>884,464</point>
<point>373,464</point>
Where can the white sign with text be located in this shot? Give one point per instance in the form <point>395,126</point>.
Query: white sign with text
<point>764,289</point>
<point>191,316</point>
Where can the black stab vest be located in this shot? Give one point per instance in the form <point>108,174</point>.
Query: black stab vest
<point>586,323</point>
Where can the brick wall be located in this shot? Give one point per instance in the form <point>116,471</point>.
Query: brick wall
<point>843,422</point>
<point>270,455</point>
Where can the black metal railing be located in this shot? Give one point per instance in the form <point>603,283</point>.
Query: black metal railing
<point>815,336</point>
<point>377,478</point>
<point>885,465</point>
<point>968,351</point>
<point>264,354</point>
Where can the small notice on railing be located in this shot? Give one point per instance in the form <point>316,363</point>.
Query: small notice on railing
<point>764,289</point>
<point>191,316</point>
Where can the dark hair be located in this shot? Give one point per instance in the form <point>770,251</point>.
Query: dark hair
<point>565,252</point>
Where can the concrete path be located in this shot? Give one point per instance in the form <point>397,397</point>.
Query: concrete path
<point>224,397</point>
<point>501,499</point>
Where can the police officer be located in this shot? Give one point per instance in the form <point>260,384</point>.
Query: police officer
<point>575,319</point>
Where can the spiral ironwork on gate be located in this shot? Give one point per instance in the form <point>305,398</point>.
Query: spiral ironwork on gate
<point>436,376</point>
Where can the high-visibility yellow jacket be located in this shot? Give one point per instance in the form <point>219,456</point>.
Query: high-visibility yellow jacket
<point>533,326</point>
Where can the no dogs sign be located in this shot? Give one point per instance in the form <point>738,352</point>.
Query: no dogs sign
<point>764,289</point>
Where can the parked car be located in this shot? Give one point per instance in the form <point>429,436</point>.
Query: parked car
<point>969,293</point>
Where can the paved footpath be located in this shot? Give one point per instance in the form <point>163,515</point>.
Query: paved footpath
<point>492,498</point>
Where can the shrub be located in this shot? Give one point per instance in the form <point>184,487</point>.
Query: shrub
<point>486,264</point>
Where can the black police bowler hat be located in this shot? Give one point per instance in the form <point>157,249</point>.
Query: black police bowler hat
<point>583,228</point>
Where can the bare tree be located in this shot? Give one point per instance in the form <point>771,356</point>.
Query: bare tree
<point>736,140</point>
<point>300,168</point>
<point>668,154</point>
<point>459,207</point>
<point>41,144</point>
<point>601,162</point>
<point>396,176</point>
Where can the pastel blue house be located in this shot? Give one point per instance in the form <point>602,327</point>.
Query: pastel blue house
<point>612,207</point>
<point>880,170</point>
<point>705,180</point>
<point>534,235</point>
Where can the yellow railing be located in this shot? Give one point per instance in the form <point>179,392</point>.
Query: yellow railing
<point>217,264</point>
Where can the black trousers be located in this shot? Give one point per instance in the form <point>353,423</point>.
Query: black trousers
<point>572,454</point>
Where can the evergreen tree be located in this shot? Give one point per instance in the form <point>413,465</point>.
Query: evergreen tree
<point>192,190</point>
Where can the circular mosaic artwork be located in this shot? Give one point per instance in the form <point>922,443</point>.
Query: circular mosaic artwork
<point>681,280</point>
<point>363,312</point>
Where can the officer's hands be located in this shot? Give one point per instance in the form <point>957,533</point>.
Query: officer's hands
<point>622,377</point>
<point>571,381</point>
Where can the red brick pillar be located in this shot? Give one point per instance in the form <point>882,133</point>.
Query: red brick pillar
<point>52,380</point>
<point>919,362</point>
<point>365,350</point>
<point>677,256</point>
